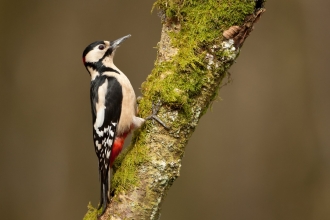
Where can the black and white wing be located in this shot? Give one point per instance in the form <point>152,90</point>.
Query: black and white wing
<point>106,99</point>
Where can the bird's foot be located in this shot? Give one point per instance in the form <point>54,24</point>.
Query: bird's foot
<point>155,110</point>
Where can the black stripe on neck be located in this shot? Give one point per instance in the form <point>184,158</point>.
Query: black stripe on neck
<point>100,68</point>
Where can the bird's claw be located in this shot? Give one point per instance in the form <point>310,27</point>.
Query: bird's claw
<point>155,109</point>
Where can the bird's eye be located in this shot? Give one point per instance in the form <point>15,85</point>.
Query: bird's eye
<point>101,47</point>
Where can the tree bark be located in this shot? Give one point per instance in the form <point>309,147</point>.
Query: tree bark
<point>200,40</point>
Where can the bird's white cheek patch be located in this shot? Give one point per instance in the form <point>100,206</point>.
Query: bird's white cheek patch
<point>94,56</point>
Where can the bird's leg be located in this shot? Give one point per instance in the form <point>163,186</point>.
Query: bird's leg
<point>155,109</point>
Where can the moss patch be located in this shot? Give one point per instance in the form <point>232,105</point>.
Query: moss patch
<point>195,31</point>
<point>127,164</point>
<point>196,27</point>
<point>91,213</point>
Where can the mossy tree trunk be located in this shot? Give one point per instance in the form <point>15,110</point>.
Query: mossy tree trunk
<point>200,40</point>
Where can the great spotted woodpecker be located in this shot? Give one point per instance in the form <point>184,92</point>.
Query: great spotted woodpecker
<point>113,107</point>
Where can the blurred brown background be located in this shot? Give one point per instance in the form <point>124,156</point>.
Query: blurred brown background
<point>260,153</point>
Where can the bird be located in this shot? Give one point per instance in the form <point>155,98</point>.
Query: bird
<point>114,108</point>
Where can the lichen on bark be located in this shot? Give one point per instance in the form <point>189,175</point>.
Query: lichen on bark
<point>193,58</point>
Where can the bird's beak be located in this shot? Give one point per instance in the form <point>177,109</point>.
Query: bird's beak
<point>114,44</point>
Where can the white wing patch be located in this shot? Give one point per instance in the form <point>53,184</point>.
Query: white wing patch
<point>99,121</point>
<point>111,133</point>
<point>106,129</point>
<point>98,145</point>
<point>104,138</point>
<point>100,108</point>
<point>109,141</point>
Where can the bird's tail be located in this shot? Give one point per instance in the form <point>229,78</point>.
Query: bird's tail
<point>104,179</point>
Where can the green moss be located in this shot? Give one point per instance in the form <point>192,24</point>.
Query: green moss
<point>196,27</point>
<point>128,162</point>
<point>91,213</point>
<point>201,23</point>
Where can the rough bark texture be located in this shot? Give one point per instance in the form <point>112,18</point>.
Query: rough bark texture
<point>199,42</point>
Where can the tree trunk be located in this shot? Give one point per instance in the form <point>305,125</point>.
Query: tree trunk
<point>200,40</point>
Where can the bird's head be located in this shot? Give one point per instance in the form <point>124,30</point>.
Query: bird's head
<point>100,54</point>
